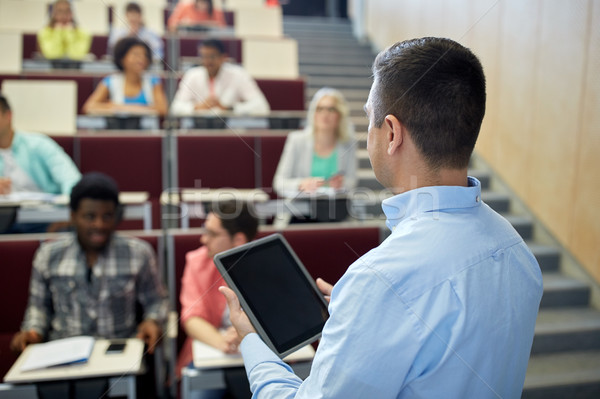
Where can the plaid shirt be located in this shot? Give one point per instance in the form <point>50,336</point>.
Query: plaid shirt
<point>65,300</point>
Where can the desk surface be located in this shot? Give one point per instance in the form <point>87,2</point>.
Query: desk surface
<point>99,365</point>
<point>35,199</point>
<point>206,357</point>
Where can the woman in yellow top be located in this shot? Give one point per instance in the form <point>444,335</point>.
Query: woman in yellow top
<point>62,38</point>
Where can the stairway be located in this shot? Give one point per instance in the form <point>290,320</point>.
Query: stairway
<point>565,357</point>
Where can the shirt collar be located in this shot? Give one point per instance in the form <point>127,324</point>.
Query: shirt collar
<point>430,199</point>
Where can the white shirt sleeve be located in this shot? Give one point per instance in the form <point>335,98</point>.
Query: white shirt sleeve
<point>192,89</point>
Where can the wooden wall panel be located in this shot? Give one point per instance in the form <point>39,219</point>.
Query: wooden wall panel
<point>585,201</point>
<point>483,38</point>
<point>518,64</point>
<point>556,113</point>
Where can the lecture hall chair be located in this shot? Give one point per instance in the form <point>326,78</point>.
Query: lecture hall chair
<point>15,268</point>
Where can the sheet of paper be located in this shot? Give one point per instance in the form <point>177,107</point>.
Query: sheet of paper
<point>58,352</point>
<point>205,356</point>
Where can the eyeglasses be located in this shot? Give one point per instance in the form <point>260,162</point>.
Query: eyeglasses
<point>214,234</point>
<point>327,109</point>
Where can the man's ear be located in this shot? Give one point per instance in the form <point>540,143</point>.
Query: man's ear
<point>395,133</point>
<point>239,238</point>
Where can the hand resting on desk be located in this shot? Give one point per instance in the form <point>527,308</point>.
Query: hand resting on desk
<point>23,338</point>
<point>150,332</point>
<point>5,184</point>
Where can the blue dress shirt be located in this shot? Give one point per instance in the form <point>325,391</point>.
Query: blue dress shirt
<point>445,307</point>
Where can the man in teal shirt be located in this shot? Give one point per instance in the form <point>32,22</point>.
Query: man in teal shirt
<point>445,307</point>
<point>32,162</point>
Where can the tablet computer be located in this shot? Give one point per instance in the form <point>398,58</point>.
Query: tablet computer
<point>279,296</point>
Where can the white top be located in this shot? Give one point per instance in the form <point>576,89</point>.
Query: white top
<point>296,161</point>
<point>233,86</point>
<point>19,179</point>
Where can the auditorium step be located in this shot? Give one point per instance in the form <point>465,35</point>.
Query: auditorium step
<point>572,375</point>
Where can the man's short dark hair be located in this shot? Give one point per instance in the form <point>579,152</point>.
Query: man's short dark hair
<point>436,88</point>
<point>236,217</point>
<point>213,43</point>
<point>124,45</point>
<point>96,186</point>
<point>133,7</point>
<point>4,105</point>
<point>209,4</point>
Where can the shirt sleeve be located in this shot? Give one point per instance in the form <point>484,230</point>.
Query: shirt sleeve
<point>60,166</point>
<point>188,93</point>
<point>253,101</point>
<point>39,307</point>
<point>347,152</point>
<point>362,353</point>
<point>78,43</point>
<point>50,43</point>
<point>150,292</point>
<point>285,179</point>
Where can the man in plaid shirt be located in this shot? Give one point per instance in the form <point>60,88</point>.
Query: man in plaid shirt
<point>88,283</point>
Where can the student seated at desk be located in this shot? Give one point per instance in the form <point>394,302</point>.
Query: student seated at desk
<point>135,27</point>
<point>195,14</point>
<point>31,162</point>
<point>90,282</point>
<point>218,85</point>
<point>204,314</point>
<point>133,90</point>
<point>62,38</point>
<point>324,153</point>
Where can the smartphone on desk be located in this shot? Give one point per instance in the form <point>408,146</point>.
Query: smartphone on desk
<point>115,347</point>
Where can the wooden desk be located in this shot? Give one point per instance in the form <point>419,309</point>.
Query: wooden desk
<point>193,201</point>
<point>209,374</point>
<point>289,120</point>
<point>120,368</point>
<point>136,207</point>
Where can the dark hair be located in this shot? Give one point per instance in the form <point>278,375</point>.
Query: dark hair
<point>436,88</point>
<point>4,105</point>
<point>124,45</point>
<point>213,43</point>
<point>133,7</point>
<point>97,186</point>
<point>236,217</point>
<point>210,6</point>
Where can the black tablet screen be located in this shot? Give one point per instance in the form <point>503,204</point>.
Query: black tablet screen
<point>284,303</point>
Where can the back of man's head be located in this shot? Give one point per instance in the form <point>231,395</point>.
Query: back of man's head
<point>4,104</point>
<point>96,186</point>
<point>133,7</point>
<point>214,44</point>
<point>436,88</point>
<point>236,217</point>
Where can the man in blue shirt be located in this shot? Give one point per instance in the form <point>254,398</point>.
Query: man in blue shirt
<point>446,305</point>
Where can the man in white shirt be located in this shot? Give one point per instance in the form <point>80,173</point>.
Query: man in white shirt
<point>218,85</point>
<point>135,27</point>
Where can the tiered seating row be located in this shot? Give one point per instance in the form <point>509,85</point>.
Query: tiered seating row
<point>343,244</point>
<point>188,46</point>
<point>202,160</point>
<point>282,94</point>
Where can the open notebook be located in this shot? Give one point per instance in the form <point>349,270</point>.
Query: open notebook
<point>58,353</point>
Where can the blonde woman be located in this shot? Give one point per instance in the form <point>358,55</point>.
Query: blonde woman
<point>62,38</point>
<point>324,153</point>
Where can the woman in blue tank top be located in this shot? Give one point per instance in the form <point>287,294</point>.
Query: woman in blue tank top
<point>133,89</point>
